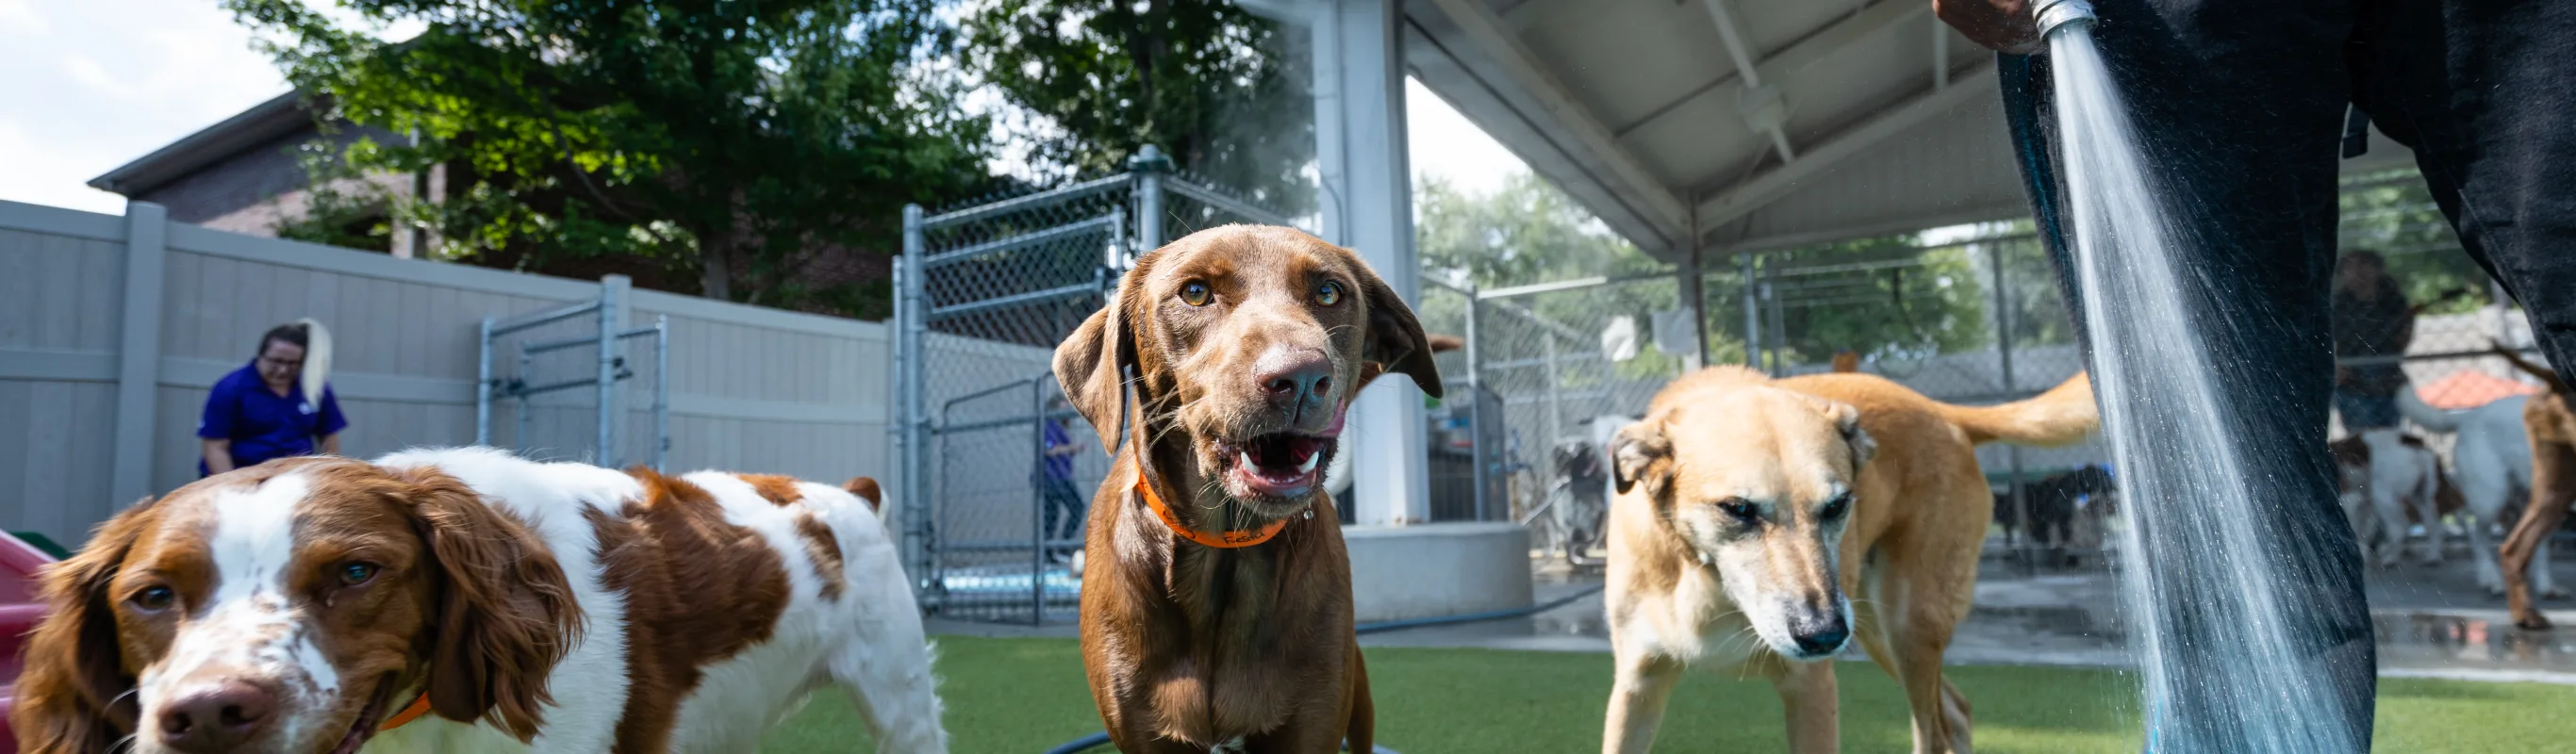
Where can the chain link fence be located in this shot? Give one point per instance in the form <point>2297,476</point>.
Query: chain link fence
<point>1973,316</point>
<point>1970,314</point>
<point>545,377</point>
<point>999,467</point>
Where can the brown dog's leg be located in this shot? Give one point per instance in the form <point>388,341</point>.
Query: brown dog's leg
<point>1362,733</point>
<point>1807,694</point>
<point>2553,486</point>
<point>1637,703</point>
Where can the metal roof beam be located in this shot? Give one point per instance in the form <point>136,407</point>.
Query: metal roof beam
<point>1818,45</point>
<point>1496,40</point>
<point>1736,202</point>
<point>1773,114</point>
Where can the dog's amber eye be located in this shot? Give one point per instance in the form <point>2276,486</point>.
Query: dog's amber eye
<point>354,574</point>
<point>153,598</point>
<point>1742,510</point>
<point>1195,293</point>
<point>1328,294</point>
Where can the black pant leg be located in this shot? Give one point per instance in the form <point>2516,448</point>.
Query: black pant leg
<point>2484,91</point>
<point>2241,104</point>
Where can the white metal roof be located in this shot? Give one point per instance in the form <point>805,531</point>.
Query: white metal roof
<point>1889,122</point>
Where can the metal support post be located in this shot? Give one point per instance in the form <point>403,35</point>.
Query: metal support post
<point>1478,454</point>
<point>910,326</point>
<point>1037,505</point>
<point>483,384</point>
<point>1148,166</point>
<point>612,293</point>
<point>1695,294</point>
<point>1752,312</point>
<point>2011,386</point>
<point>661,391</point>
<point>1779,339</point>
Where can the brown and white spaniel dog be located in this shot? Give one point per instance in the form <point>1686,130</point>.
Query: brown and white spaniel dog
<point>466,600</point>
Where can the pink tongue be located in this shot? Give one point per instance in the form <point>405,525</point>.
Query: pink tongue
<point>1340,411</point>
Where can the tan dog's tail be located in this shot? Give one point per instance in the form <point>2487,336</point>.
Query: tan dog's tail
<point>2547,375</point>
<point>2062,416</point>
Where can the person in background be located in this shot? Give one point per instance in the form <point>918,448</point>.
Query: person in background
<point>261,411</point>
<point>1056,479</point>
<point>2371,319</point>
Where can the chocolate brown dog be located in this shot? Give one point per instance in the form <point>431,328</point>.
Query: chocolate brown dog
<point>1216,604</point>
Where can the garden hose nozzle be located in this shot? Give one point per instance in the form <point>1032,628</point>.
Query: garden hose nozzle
<point>2055,13</point>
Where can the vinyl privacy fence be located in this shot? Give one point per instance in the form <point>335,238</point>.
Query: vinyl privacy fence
<point>112,329</point>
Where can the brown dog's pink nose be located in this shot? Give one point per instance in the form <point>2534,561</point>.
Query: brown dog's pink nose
<point>1292,379</point>
<point>218,719</point>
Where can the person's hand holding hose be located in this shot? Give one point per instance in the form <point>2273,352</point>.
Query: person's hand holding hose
<point>1999,25</point>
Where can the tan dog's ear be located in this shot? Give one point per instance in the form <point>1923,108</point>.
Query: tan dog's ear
<point>1847,421</point>
<point>1641,454</point>
<point>1395,340</point>
<point>506,613</point>
<point>73,694</point>
<point>1089,365</point>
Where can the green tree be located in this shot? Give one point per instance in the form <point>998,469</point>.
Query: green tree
<point>2393,213</point>
<point>1221,90</point>
<point>732,142</point>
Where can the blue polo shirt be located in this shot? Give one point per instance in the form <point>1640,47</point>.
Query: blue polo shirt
<point>263,425</point>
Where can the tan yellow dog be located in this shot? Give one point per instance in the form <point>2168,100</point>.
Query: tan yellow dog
<point>1750,509</point>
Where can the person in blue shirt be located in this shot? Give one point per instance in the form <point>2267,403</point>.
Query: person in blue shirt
<point>1056,481</point>
<point>260,411</point>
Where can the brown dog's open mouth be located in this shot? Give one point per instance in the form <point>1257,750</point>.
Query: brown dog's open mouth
<point>368,719</point>
<point>1283,464</point>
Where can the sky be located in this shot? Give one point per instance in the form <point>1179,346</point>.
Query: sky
<point>88,85</point>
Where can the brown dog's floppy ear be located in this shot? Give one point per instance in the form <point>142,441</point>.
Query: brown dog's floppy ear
<point>1395,340</point>
<point>1090,364</point>
<point>72,695</point>
<point>505,611</point>
<point>1641,454</point>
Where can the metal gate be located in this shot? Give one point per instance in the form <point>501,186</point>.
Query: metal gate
<point>560,389</point>
<point>986,293</point>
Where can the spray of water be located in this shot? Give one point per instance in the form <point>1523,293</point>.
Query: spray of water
<point>2237,673</point>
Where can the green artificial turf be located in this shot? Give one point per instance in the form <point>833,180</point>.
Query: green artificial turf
<point>1021,696</point>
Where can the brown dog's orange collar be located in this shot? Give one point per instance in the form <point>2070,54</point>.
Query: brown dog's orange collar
<point>419,707</point>
<point>1224,539</point>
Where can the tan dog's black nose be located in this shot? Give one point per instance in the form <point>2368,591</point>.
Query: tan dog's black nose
<point>217,719</point>
<point>1293,380</point>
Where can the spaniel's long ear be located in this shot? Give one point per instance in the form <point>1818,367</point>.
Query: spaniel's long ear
<point>73,695</point>
<point>1090,365</point>
<point>506,613</point>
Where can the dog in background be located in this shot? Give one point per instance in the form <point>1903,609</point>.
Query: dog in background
<point>2550,427</point>
<point>1747,510</point>
<point>2389,478</point>
<point>2065,509</point>
<point>2490,464</point>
